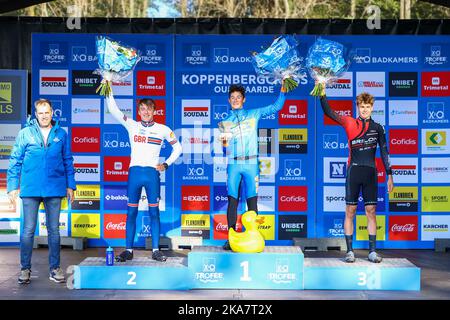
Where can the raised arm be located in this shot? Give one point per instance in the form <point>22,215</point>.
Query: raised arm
<point>272,108</point>
<point>330,113</point>
<point>116,112</point>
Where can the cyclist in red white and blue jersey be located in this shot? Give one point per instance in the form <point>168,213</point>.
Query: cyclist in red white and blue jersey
<point>363,135</point>
<point>146,138</point>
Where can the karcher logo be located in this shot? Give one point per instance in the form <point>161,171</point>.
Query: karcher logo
<point>5,92</point>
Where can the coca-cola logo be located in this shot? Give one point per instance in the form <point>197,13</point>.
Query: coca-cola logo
<point>116,226</point>
<point>409,227</point>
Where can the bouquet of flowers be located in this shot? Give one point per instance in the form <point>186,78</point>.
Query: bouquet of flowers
<point>326,61</point>
<point>115,62</point>
<point>280,62</point>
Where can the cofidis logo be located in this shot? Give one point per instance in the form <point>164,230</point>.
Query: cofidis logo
<point>403,141</point>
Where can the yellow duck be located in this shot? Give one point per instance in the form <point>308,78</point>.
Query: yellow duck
<point>250,240</point>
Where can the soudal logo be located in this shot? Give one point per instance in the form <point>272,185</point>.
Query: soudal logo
<point>195,111</point>
<point>91,168</point>
<point>294,112</point>
<point>340,84</point>
<point>195,198</point>
<point>53,82</point>
<point>116,168</point>
<point>151,83</point>
<point>85,139</point>
<point>405,170</point>
<point>342,87</point>
<point>436,84</point>
<point>403,141</point>
<point>114,226</point>
<point>292,198</point>
<point>343,107</point>
<point>403,228</point>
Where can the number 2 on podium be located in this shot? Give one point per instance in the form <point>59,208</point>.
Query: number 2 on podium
<point>245,276</point>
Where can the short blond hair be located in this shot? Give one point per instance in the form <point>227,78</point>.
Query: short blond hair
<point>41,102</point>
<point>365,98</point>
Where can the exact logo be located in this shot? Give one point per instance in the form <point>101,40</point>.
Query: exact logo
<point>195,198</point>
<point>343,107</point>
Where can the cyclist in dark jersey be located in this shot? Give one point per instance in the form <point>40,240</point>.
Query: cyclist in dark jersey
<point>363,136</point>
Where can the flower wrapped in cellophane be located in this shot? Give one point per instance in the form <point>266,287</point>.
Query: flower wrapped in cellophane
<point>326,61</point>
<point>280,63</point>
<point>115,60</point>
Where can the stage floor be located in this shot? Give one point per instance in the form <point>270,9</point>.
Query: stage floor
<point>435,280</point>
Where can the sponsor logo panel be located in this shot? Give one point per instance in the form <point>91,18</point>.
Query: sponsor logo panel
<point>85,225</point>
<point>333,198</point>
<point>403,228</point>
<point>293,198</point>
<point>84,82</point>
<point>342,107</point>
<point>151,83</point>
<point>195,111</point>
<point>195,198</point>
<point>403,84</point>
<point>115,197</point>
<point>8,134</point>
<point>404,170</point>
<point>361,228</point>
<point>436,199</point>
<point>125,105</point>
<point>195,225</point>
<point>87,168</point>
<point>116,168</point>
<point>435,141</point>
<point>403,112</point>
<point>266,226</point>
<point>435,170</point>
<point>404,199</point>
<point>87,197</point>
<point>9,231</point>
<point>293,140</point>
<point>294,112</point>
<point>221,226</point>
<point>435,84</point>
<point>371,82</point>
<point>334,170</point>
<point>114,226</point>
<point>85,139</point>
<point>435,55</point>
<point>292,226</point>
<point>403,141</point>
<point>11,98</point>
<point>435,227</point>
<point>53,82</point>
<point>342,87</point>
<point>437,112</point>
<point>86,111</point>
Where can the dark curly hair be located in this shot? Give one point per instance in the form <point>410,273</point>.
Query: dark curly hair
<point>236,87</point>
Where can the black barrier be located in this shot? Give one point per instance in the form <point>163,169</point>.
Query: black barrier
<point>15,32</point>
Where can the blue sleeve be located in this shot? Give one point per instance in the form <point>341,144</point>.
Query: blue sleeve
<point>68,165</point>
<point>272,108</point>
<point>15,162</point>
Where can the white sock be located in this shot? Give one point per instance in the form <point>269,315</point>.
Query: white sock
<point>130,250</point>
<point>155,250</point>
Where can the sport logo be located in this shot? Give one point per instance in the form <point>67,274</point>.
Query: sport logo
<point>343,87</point>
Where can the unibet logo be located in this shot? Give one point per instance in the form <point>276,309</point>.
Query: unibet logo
<point>436,138</point>
<point>5,92</point>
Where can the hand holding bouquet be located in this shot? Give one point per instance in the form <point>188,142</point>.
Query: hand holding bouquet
<point>280,62</point>
<point>326,62</point>
<point>115,61</point>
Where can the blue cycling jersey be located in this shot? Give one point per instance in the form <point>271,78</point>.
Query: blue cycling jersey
<point>243,125</point>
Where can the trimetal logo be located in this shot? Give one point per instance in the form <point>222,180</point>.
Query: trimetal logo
<point>151,83</point>
<point>436,84</point>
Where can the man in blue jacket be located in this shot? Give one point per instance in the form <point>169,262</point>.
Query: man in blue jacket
<point>41,166</point>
